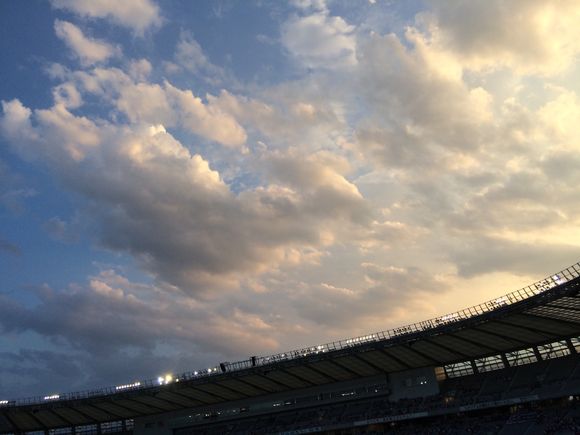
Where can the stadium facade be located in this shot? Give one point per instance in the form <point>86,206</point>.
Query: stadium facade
<point>511,362</point>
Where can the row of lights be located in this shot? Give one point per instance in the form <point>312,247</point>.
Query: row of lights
<point>3,402</point>
<point>128,386</point>
<point>52,397</point>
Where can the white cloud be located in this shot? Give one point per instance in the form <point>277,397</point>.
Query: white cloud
<point>190,56</point>
<point>138,15</point>
<point>88,50</point>
<point>320,40</point>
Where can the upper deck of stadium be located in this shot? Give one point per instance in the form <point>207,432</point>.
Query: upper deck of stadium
<point>545,312</point>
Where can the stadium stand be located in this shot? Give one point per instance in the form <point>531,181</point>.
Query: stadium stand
<point>510,365</point>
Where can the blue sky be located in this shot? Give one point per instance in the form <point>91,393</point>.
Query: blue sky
<point>183,183</point>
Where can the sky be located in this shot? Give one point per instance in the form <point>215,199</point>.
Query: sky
<point>185,183</point>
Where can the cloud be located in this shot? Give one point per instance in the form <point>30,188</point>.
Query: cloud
<point>111,314</point>
<point>88,50</point>
<point>143,102</point>
<point>482,34</point>
<point>383,292</point>
<point>190,56</point>
<point>421,109</point>
<point>13,190</point>
<point>320,40</point>
<point>138,15</point>
<point>166,207</point>
<point>486,255</point>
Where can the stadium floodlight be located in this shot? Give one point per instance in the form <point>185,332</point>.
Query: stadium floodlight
<point>195,373</point>
<point>52,397</point>
<point>3,402</point>
<point>160,380</point>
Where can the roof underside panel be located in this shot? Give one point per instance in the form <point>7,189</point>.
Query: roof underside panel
<point>73,416</point>
<point>357,365</point>
<point>96,413</point>
<point>49,419</point>
<point>381,359</point>
<point>333,370</point>
<point>264,383</point>
<point>199,395</point>
<point>493,343</point>
<point>24,421</point>
<point>287,379</point>
<point>5,425</point>
<point>220,392</point>
<point>572,302</point>
<point>178,398</point>
<point>243,387</point>
<point>310,375</point>
<point>119,411</point>
<point>523,335</point>
<point>462,347</point>
<point>552,326</point>
<point>138,407</point>
<point>156,403</point>
<point>409,357</point>
<point>436,352</point>
<point>559,313</point>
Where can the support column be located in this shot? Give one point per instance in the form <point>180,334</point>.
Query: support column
<point>505,361</point>
<point>537,353</point>
<point>571,346</point>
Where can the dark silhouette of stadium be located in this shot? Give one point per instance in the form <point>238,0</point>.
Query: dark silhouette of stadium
<point>509,365</point>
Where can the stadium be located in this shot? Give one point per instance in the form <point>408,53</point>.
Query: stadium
<point>509,365</point>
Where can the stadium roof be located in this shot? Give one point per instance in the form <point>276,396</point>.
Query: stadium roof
<point>543,312</point>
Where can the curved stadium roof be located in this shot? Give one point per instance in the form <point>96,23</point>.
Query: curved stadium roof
<point>544,312</point>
